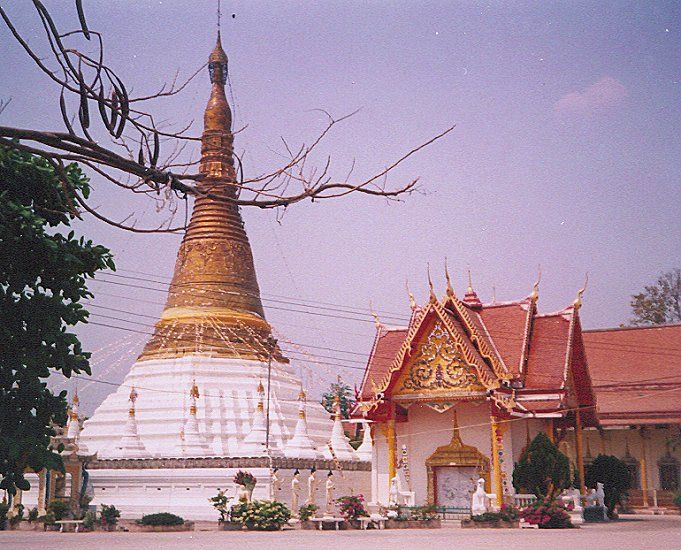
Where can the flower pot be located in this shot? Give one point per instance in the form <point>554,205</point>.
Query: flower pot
<point>308,525</point>
<point>230,526</point>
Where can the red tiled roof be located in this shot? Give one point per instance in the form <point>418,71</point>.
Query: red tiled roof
<point>548,352</point>
<point>506,325</point>
<point>386,346</point>
<point>636,374</point>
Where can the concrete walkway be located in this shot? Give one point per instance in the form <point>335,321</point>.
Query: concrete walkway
<point>631,533</point>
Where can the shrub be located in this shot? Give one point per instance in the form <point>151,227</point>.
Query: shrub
<point>677,499</point>
<point>263,515</point>
<point>352,507</point>
<point>47,519</point>
<point>32,515</point>
<point>509,512</point>
<point>220,502</point>
<point>487,516</point>
<point>246,479</point>
<point>424,513</point>
<point>237,511</point>
<point>18,516</point>
<point>307,511</point>
<point>593,514</point>
<point>4,508</point>
<point>162,518</point>
<point>615,477</point>
<point>59,509</point>
<point>542,469</point>
<point>89,520</point>
<point>109,515</point>
<point>547,514</point>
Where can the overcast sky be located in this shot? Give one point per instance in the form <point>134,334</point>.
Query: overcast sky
<point>565,152</point>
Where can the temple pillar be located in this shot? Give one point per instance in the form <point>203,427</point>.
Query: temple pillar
<point>496,464</point>
<point>644,467</point>
<point>579,451</point>
<point>550,430</point>
<point>392,449</point>
<point>601,432</point>
<point>42,496</point>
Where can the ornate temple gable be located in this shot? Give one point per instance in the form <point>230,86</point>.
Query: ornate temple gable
<point>477,335</point>
<point>437,369</point>
<point>459,347</point>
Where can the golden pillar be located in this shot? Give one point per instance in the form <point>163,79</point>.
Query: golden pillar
<point>550,431</point>
<point>392,449</point>
<point>579,451</point>
<point>496,464</point>
<point>644,467</point>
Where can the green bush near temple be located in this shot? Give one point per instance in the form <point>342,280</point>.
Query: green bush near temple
<point>262,515</point>
<point>162,518</point>
<point>542,469</point>
<point>59,509</point>
<point>307,511</point>
<point>615,477</point>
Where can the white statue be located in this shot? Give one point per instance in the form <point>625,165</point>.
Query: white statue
<point>479,499</point>
<point>576,496</point>
<point>275,485</point>
<point>312,487</point>
<point>393,499</point>
<point>329,495</point>
<point>243,494</point>
<point>600,494</point>
<point>295,493</point>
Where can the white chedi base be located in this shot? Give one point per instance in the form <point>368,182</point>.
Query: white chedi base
<point>226,408</point>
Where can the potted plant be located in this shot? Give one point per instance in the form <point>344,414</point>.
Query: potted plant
<point>352,508</point>
<point>305,514</point>
<point>17,517</point>
<point>109,517</point>
<point>246,481</point>
<point>426,517</point>
<point>163,521</point>
<point>226,522</point>
<point>263,515</point>
<point>89,521</point>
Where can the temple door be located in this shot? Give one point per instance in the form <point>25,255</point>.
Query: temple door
<point>453,486</point>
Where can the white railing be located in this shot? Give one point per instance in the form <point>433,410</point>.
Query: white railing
<point>521,501</point>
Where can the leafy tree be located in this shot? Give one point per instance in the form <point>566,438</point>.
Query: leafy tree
<point>343,392</point>
<point>660,303</point>
<point>43,277</point>
<point>542,469</point>
<point>613,474</point>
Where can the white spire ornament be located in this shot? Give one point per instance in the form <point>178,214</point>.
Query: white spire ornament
<point>194,443</point>
<point>363,452</point>
<point>300,445</point>
<point>255,442</point>
<point>131,445</point>
<point>73,428</point>
<point>339,443</point>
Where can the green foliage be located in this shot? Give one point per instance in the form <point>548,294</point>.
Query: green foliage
<point>58,508</point>
<point>262,515</point>
<point>89,521</point>
<point>32,515</point>
<point>547,514</point>
<point>220,502</point>
<point>613,474</point>
<point>43,275</point>
<point>18,516</point>
<point>109,514</point>
<point>424,513</point>
<point>352,507</point>
<point>593,514</point>
<point>542,469</point>
<point>485,517</point>
<point>660,303</point>
<point>507,513</point>
<point>307,511</point>
<point>47,519</point>
<point>4,508</point>
<point>677,499</point>
<point>162,518</point>
<point>344,393</point>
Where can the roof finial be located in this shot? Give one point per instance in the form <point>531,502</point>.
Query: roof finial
<point>494,294</point>
<point>535,289</point>
<point>470,280</point>
<point>219,17</point>
<point>377,321</point>
<point>430,282</point>
<point>450,290</point>
<point>412,300</point>
<point>578,301</point>
<point>471,297</point>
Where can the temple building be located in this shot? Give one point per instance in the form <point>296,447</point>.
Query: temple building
<point>459,392</point>
<point>212,392</point>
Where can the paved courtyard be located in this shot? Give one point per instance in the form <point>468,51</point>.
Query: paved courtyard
<point>632,533</point>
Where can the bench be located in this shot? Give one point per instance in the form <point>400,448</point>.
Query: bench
<point>378,520</point>
<point>321,521</point>
<point>63,522</point>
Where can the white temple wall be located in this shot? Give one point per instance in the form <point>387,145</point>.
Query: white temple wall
<point>380,467</point>
<point>186,492</point>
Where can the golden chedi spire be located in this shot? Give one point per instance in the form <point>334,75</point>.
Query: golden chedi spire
<point>213,303</point>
